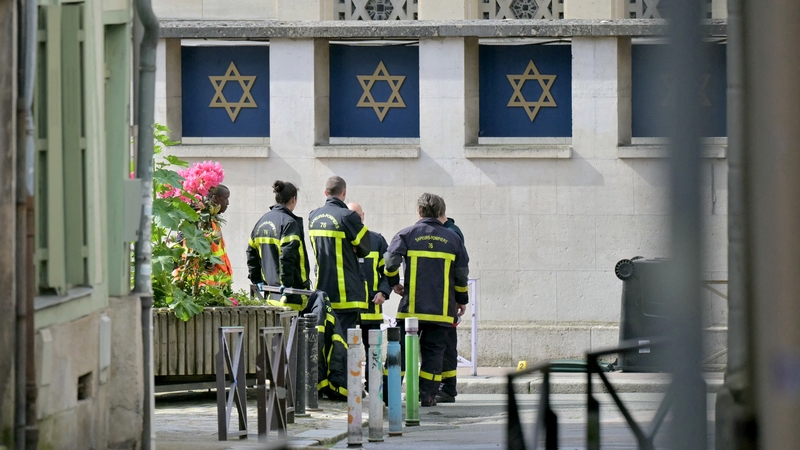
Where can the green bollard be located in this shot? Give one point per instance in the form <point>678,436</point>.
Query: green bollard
<point>412,371</point>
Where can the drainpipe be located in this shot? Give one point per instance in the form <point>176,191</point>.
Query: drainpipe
<point>144,171</point>
<point>735,423</point>
<point>27,431</point>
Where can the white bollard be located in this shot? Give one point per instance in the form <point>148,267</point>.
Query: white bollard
<point>375,386</point>
<point>355,355</point>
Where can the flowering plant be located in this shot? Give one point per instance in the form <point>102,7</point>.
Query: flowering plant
<point>185,228</point>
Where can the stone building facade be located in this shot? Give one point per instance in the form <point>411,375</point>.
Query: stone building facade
<point>545,217</point>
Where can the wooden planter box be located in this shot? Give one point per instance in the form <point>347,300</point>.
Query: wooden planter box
<point>183,352</point>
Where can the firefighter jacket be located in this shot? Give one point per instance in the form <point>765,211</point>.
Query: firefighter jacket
<point>372,271</point>
<point>339,239</point>
<point>436,271</point>
<point>332,348</point>
<point>450,224</point>
<point>277,256</point>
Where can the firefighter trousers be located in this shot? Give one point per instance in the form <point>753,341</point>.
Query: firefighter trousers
<point>432,345</point>
<point>450,364</point>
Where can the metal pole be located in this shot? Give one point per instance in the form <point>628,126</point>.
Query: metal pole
<point>144,171</point>
<point>375,386</point>
<point>412,371</point>
<point>301,378</point>
<point>734,408</point>
<point>772,115</point>
<point>355,354</point>
<point>474,299</point>
<point>684,63</point>
<point>312,366</point>
<point>393,367</point>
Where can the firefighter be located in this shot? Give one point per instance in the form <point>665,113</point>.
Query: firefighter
<point>435,290</point>
<point>448,388</point>
<point>277,255</point>
<point>339,239</point>
<point>377,284</point>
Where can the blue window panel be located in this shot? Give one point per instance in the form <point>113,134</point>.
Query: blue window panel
<point>245,116</point>
<point>554,115</point>
<point>651,91</point>
<point>385,91</point>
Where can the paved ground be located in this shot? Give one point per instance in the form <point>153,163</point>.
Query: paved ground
<point>475,421</point>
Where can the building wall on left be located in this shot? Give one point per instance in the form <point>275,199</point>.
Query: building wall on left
<point>88,350</point>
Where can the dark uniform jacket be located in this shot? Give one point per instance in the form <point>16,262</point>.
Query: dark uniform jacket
<point>335,232</point>
<point>436,271</point>
<point>450,224</point>
<point>277,255</point>
<point>377,281</point>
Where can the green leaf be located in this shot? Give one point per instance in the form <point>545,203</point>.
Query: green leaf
<point>175,161</point>
<point>166,176</point>
<point>186,210</point>
<point>196,239</point>
<point>163,214</point>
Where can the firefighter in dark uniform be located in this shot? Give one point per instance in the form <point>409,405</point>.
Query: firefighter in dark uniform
<point>435,291</point>
<point>339,239</point>
<point>277,255</point>
<point>378,284</point>
<point>448,388</point>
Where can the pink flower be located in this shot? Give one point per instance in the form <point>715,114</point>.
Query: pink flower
<point>233,300</point>
<point>198,180</point>
<point>133,175</point>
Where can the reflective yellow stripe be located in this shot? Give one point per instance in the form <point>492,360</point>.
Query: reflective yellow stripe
<point>427,254</point>
<point>381,262</point>
<point>252,243</point>
<point>286,240</point>
<point>267,240</point>
<point>283,302</point>
<point>358,238</point>
<point>386,372</point>
<point>321,328</point>
<point>430,376</point>
<point>391,274</point>
<point>374,257</point>
<point>462,289</point>
<point>326,233</point>
<point>336,337</point>
<point>322,384</point>
<point>446,295</point>
<point>449,374</point>
<point>340,271</point>
<point>377,315</point>
<point>411,287</point>
<point>426,317</point>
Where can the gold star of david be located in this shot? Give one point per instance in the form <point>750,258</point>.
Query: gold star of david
<point>703,94</point>
<point>518,100</point>
<point>219,100</point>
<point>395,100</point>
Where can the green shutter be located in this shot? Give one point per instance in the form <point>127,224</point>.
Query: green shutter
<point>61,240</point>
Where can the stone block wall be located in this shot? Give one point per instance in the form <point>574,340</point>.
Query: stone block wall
<point>82,404</point>
<point>543,231</point>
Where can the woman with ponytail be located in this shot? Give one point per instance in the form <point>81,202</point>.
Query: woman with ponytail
<point>277,255</point>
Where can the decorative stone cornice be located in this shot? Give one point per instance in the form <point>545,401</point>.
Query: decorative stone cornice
<point>414,29</point>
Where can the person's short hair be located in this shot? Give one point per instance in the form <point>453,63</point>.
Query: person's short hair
<point>430,205</point>
<point>335,186</point>
<point>284,191</point>
<point>219,189</point>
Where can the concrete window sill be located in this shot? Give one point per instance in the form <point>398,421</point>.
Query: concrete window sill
<point>713,151</point>
<point>219,150</point>
<point>517,151</point>
<point>46,301</point>
<point>369,151</point>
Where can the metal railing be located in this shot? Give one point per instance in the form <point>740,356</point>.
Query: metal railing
<point>547,419</point>
<point>237,393</point>
<point>473,362</point>
<point>375,9</point>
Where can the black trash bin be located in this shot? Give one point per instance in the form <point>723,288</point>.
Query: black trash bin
<point>643,316</point>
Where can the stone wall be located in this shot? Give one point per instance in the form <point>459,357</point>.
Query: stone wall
<point>545,222</point>
<point>82,402</point>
